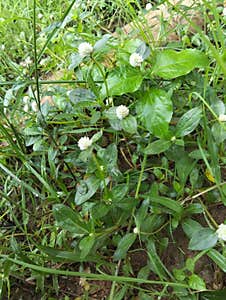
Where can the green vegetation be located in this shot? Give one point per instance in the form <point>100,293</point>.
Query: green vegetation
<point>112,153</point>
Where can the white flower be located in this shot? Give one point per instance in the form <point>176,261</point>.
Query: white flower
<point>224,12</point>
<point>222,118</point>
<point>84,143</point>
<point>148,6</point>
<point>221,232</point>
<point>40,16</point>
<point>135,60</point>
<point>136,230</point>
<point>85,49</point>
<point>122,111</point>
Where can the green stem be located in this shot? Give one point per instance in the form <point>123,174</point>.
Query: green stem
<point>102,73</point>
<point>91,276</point>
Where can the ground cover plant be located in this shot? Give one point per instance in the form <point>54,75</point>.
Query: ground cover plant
<point>112,152</point>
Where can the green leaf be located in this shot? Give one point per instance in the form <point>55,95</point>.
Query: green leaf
<point>86,189</point>
<point>99,45</point>
<point>122,81</point>
<point>196,283</point>
<point>76,59</point>
<point>167,202</point>
<point>190,226</point>
<point>69,219</point>
<point>170,64</point>
<point>69,256</point>
<point>156,263</point>
<point>219,132</point>
<point>216,295</point>
<point>218,258</point>
<point>157,147</point>
<point>155,110</point>
<point>123,246</point>
<point>202,239</point>
<point>188,122</point>
<point>86,245</point>
<point>129,124</point>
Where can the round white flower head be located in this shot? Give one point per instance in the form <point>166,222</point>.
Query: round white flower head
<point>40,16</point>
<point>84,143</point>
<point>222,118</point>
<point>221,232</point>
<point>136,230</point>
<point>224,12</point>
<point>135,60</point>
<point>148,6</point>
<point>122,111</point>
<point>85,49</point>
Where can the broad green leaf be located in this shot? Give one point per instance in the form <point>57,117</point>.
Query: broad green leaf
<point>123,246</point>
<point>202,239</point>
<point>86,189</point>
<point>184,166</point>
<point>129,124</point>
<point>156,263</point>
<point>69,219</point>
<point>216,295</point>
<point>155,110</point>
<point>190,226</point>
<point>157,147</point>
<point>119,191</point>
<point>196,283</point>
<point>122,81</point>
<point>219,132</point>
<point>97,136</point>
<point>76,59</point>
<point>218,258</point>
<point>170,64</point>
<point>69,256</point>
<point>86,245</point>
<point>99,45</point>
<point>188,122</point>
<point>167,202</point>
<point>152,222</point>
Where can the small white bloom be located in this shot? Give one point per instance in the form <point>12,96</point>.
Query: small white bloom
<point>221,232</point>
<point>222,118</point>
<point>224,12</point>
<point>148,6</point>
<point>84,143</point>
<point>135,60</point>
<point>85,49</point>
<point>40,16</point>
<point>136,230</point>
<point>3,47</point>
<point>122,111</point>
